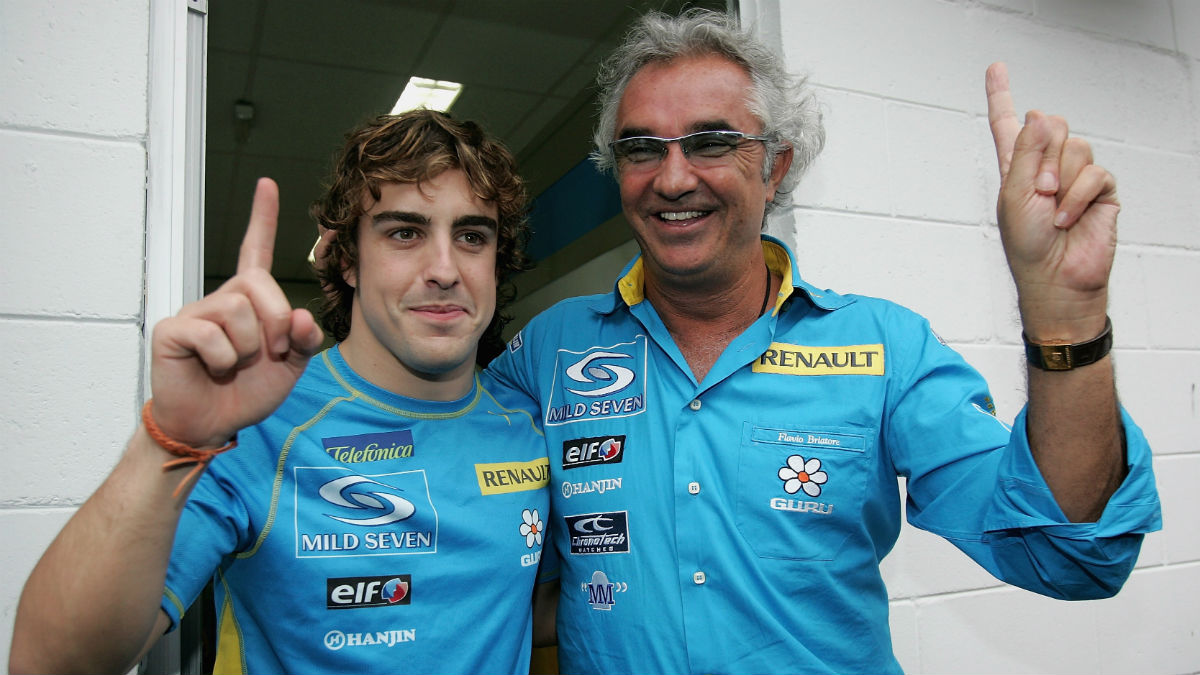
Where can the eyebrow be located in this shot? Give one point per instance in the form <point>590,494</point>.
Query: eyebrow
<point>486,222</point>
<point>703,125</point>
<point>399,216</point>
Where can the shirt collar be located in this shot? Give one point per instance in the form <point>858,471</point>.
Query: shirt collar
<point>630,286</point>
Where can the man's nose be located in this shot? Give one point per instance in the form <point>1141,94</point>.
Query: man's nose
<point>441,266</point>
<point>675,175</point>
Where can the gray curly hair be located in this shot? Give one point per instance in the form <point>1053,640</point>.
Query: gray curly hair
<point>783,103</point>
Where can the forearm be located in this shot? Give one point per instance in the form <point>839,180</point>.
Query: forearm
<point>98,587</point>
<point>1076,436</point>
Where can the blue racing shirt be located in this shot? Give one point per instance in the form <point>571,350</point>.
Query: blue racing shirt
<point>356,531</point>
<point>737,524</point>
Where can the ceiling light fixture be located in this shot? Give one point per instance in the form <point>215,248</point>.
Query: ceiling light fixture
<point>422,92</point>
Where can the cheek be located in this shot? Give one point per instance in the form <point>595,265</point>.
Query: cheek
<point>631,186</point>
<point>482,282</point>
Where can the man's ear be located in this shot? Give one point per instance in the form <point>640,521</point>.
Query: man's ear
<point>783,162</point>
<point>350,272</point>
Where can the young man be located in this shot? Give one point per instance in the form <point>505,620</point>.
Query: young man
<point>378,499</point>
<point>728,438</point>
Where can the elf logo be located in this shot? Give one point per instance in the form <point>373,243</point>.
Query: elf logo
<point>356,592</point>
<point>588,451</point>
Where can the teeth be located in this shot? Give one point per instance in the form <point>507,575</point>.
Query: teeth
<point>680,215</point>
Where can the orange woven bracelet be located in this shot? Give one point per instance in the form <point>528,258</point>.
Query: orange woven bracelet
<point>187,454</point>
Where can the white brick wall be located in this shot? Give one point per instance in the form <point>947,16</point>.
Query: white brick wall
<point>72,184</point>
<point>901,205</point>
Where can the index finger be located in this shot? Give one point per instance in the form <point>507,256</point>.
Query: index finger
<point>1001,115</point>
<point>258,246</point>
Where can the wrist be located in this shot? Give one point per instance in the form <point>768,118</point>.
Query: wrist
<point>200,457</point>
<point>1063,322</point>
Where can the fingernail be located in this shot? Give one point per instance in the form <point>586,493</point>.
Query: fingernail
<point>1060,219</point>
<point>1046,182</point>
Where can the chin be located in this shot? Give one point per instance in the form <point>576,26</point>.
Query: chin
<point>440,366</point>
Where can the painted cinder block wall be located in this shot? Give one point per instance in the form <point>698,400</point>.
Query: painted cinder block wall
<point>73,124</point>
<point>900,205</point>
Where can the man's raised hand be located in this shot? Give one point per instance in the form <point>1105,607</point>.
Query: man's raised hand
<point>228,360</point>
<point>1057,213</point>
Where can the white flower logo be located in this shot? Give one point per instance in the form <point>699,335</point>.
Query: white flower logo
<point>532,528</point>
<point>800,474</point>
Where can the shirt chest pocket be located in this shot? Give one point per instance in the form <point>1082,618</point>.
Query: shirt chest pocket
<point>800,489</point>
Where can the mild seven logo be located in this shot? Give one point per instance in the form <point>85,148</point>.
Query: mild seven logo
<point>611,378</point>
<point>356,515</point>
<point>599,383</point>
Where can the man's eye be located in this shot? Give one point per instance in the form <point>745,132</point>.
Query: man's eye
<point>474,238</point>
<point>642,151</point>
<point>712,146</point>
<point>404,234</point>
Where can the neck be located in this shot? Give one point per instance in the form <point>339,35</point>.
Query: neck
<point>704,318</point>
<point>384,370</point>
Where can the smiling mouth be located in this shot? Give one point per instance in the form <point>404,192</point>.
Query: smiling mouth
<point>440,309</point>
<point>682,215</point>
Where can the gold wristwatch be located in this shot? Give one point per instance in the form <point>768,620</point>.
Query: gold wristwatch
<point>1067,357</point>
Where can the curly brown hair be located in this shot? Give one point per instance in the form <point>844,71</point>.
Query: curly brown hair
<point>410,148</point>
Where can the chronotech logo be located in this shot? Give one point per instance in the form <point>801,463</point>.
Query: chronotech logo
<point>593,533</point>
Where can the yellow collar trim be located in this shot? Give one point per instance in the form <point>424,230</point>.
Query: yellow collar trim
<point>779,263</point>
<point>632,286</point>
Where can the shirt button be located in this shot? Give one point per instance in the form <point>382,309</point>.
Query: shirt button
<point>693,488</point>
<point>695,404</point>
<point>698,578</point>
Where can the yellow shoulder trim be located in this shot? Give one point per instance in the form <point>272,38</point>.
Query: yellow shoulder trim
<point>231,654</point>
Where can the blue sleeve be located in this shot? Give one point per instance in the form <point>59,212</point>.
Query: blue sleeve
<point>511,377</point>
<point>212,526</point>
<point>973,481</point>
<point>1070,560</point>
<point>549,568</point>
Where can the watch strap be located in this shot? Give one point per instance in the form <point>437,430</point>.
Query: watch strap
<point>1067,357</point>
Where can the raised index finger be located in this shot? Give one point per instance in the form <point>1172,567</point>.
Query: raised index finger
<point>1001,115</point>
<point>258,246</point>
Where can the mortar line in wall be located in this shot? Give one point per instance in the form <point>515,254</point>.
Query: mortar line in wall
<point>888,216</point>
<point>1016,344</point>
<point>16,507</point>
<point>989,227</point>
<point>892,99</point>
<point>75,135</point>
<point>1154,248</point>
<point>1040,20</point>
<point>982,115</point>
<point>1187,454</point>
<point>72,318</point>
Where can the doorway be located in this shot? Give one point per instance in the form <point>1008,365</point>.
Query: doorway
<point>287,79</point>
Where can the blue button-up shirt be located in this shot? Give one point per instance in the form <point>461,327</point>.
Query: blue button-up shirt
<point>737,523</point>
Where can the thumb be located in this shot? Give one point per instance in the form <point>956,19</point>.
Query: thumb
<point>305,335</point>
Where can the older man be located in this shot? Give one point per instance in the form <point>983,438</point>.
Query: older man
<point>727,438</point>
